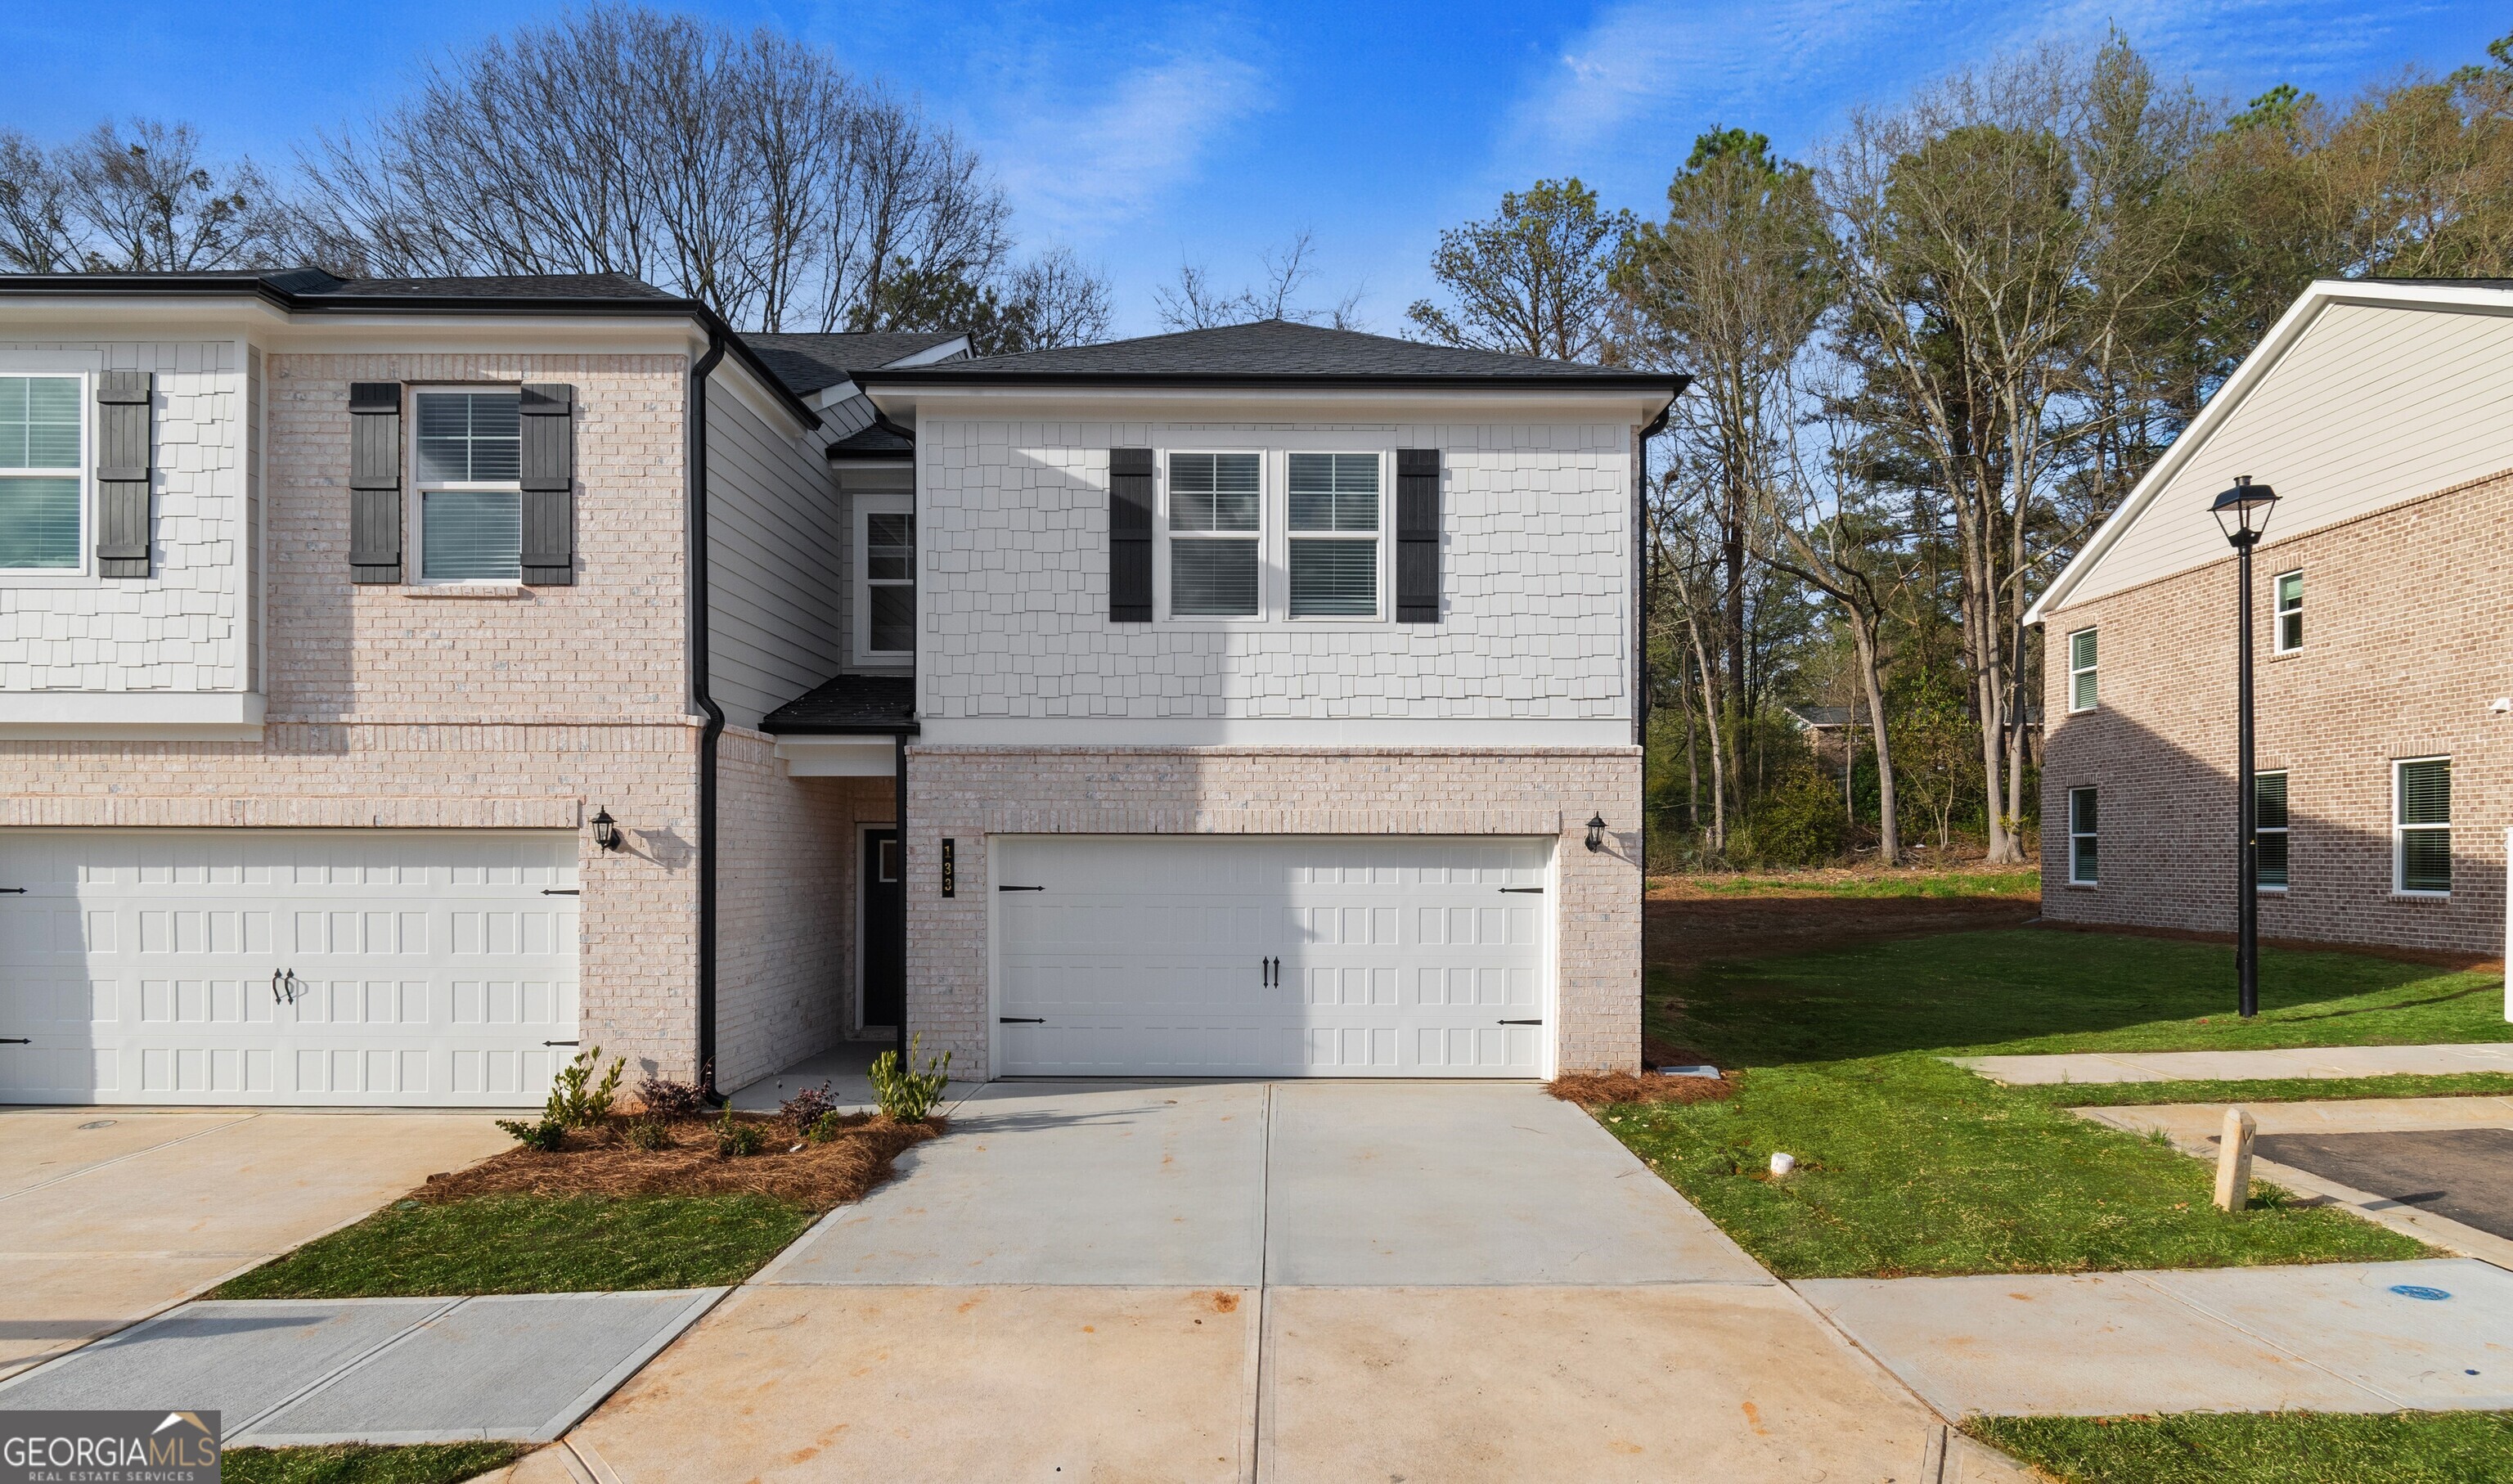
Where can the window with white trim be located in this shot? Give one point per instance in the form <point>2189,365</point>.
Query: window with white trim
<point>2081,837</point>
<point>1332,532</point>
<point>885,577</point>
<point>1217,529</point>
<point>2269,828</point>
<point>42,478</point>
<point>2081,670</point>
<point>467,447</point>
<point>2289,612</point>
<point>2421,826</point>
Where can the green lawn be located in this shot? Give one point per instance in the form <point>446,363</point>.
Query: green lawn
<point>361,1463</point>
<point>1911,1165</point>
<point>1905,883</point>
<point>532,1244</point>
<point>2271,1090</point>
<point>2261,1448</point>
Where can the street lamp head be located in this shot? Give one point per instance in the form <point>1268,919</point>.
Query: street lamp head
<point>2243,511</point>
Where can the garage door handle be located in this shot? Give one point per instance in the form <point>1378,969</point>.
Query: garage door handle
<point>12,891</point>
<point>1527,891</point>
<point>17,1041</point>
<point>561,891</point>
<point>1021,1019</point>
<point>559,1043</point>
<point>1518,1022</point>
<point>1020,888</point>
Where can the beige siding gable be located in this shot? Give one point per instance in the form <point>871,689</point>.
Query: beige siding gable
<point>2372,406</point>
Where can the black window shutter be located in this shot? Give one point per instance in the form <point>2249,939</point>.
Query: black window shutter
<point>1130,536</point>
<point>375,481</point>
<point>122,469</point>
<point>550,485</point>
<point>1418,536</point>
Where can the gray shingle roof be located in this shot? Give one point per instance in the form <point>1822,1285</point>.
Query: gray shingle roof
<point>809,363</point>
<point>1270,350</point>
<point>877,705</point>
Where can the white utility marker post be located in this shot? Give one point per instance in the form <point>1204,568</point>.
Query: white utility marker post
<point>2234,1161</point>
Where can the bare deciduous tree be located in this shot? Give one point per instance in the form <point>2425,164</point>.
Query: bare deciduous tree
<point>1195,303</point>
<point>1531,280</point>
<point>142,202</point>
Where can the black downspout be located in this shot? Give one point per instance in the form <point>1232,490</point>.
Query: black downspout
<point>899,812</point>
<point>700,642</point>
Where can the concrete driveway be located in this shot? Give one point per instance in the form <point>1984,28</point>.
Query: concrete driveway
<point>1294,1282</point>
<point>110,1215</point>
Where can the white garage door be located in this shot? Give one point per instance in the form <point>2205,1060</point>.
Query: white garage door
<point>1209,956</point>
<point>285,966</point>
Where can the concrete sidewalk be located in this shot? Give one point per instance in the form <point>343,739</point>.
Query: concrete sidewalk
<point>2345,1337</point>
<point>2243,1065</point>
<point>287,1372</point>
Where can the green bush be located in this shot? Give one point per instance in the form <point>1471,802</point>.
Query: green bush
<point>1798,822</point>
<point>571,1104</point>
<point>735,1140</point>
<point>649,1134</point>
<point>543,1134</point>
<point>908,1095</point>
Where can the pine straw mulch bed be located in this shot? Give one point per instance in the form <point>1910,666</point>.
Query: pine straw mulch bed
<point>601,1161</point>
<point>1594,1090</point>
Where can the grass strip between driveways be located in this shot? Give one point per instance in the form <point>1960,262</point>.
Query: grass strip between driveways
<point>1911,1165</point>
<point>2273,1090</point>
<point>534,1244</point>
<point>2261,1448</point>
<point>1873,885</point>
<point>366,1463</point>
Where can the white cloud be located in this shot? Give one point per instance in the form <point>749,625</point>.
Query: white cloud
<point>1076,170</point>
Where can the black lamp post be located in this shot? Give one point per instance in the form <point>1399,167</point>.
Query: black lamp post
<point>2243,513</point>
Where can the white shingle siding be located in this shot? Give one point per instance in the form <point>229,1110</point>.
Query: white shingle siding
<point>1534,573</point>
<point>184,627</point>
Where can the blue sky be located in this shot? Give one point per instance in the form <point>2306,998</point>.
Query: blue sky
<point>1145,134</point>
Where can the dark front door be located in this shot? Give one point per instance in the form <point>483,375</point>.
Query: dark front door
<point>885,951</point>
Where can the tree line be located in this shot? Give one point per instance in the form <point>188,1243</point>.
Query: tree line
<point>748,171</point>
<point>1927,362</point>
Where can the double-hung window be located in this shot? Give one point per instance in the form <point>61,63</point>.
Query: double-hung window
<point>2269,828</point>
<point>470,494</point>
<point>2289,612</point>
<point>1217,529</point>
<point>2081,837</point>
<point>886,591</point>
<point>1333,535</point>
<point>41,480</point>
<point>2421,825</point>
<point>2081,670</point>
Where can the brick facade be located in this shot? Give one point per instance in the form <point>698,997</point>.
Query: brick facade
<point>2402,610</point>
<point>968,794</point>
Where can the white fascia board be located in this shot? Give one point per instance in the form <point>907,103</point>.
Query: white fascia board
<point>129,715</point>
<point>761,399</point>
<point>1127,403</point>
<point>956,346</point>
<point>830,397</point>
<point>2283,337</point>
<point>1496,734</point>
<point>838,756</point>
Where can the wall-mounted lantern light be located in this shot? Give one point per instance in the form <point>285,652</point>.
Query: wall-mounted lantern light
<point>606,830</point>
<point>1596,831</point>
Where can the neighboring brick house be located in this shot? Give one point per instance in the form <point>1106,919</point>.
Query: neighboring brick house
<point>2381,412</point>
<point>337,620</point>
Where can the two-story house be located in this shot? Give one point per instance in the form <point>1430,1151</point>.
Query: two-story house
<point>2378,411</point>
<point>405,683</point>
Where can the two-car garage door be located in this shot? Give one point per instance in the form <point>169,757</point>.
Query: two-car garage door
<point>332,967</point>
<point>1270,956</point>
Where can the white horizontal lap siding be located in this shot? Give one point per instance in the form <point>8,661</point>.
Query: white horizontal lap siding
<point>776,562</point>
<point>2370,407</point>
<point>1535,577</point>
<point>1271,956</point>
<point>184,627</point>
<point>429,967</point>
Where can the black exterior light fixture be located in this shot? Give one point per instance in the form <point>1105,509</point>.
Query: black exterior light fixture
<point>2243,514</point>
<point>1596,831</point>
<point>606,829</point>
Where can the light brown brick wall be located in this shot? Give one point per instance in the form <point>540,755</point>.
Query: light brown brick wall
<point>967,793</point>
<point>2404,614</point>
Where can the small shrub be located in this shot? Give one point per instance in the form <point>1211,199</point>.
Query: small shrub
<point>573,1106</point>
<point>649,1134</point>
<point>905,1093</point>
<point>543,1134</point>
<point>806,1108</point>
<point>735,1140</point>
<point>828,1126</point>
<point>667,1100</point>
